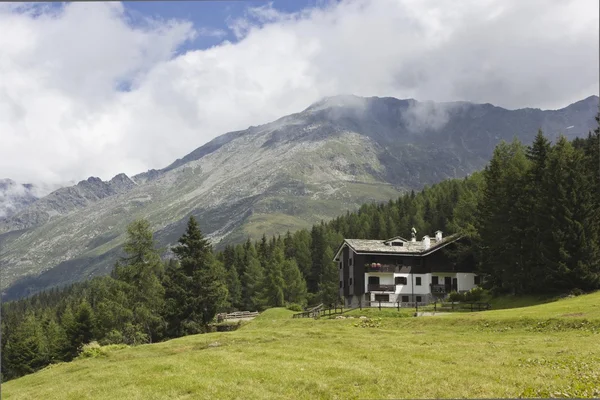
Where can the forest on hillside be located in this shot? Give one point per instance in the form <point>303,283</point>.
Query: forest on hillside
<point>531,219</point>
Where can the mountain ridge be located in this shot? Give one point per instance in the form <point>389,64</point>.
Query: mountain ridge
<point>285,174</point>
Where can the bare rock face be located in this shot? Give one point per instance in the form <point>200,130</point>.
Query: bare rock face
<point>15,197</point>
<point>302,168</point>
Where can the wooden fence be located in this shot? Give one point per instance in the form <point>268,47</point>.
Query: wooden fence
<point>320,311</point>
<point>236,315</point>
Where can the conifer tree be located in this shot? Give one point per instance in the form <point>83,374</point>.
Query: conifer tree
<point>143,271</point>
<point>234,286</point>
<point>79,329</point>
<point>328,286</point>
<point>273,287</point>
<point>295,285</point>
<point>196,289</point>
<point>23,352</point>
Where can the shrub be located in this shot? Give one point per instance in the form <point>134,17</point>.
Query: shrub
<point>94,349</point>
<point>294,307</point>
<point>577,292</point>
<point>455,296</point>
<point>475,294</point>
<point>90,350</point>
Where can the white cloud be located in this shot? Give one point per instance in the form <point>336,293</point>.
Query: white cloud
<point>63,117</point>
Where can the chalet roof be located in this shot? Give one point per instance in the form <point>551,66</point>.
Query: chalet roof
<point>362,246</point>
<point>393,239</point>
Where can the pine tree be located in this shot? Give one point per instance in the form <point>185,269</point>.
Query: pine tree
<point>535,200</point>
<point>273,287</point>
<point>23,351</point>
<point>317,248</point>
<point>79,329</point>
<point>328,286</point>
<point>196,287</point>
<point>143,272</point>
<point>234,287</point>
<point>295,285</point>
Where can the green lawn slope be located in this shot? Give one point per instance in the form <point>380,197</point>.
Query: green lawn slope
<point>546,350</point>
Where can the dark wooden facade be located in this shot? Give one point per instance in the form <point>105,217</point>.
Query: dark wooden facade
<point>435,261</point>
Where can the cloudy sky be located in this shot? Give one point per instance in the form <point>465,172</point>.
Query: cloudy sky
<point>94,89</point>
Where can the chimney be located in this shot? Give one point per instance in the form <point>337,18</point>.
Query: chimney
<point>426,242</point>
<point>413,235</point>
<point>438,236</point>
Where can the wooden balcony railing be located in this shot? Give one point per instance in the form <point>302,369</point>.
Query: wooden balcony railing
<point>442,289</point>
<point>383,268</point>
<point>381,288</point>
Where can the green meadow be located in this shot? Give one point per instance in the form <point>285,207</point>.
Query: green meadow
<point>545,350</point>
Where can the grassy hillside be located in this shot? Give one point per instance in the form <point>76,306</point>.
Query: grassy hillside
<point>545,350</point>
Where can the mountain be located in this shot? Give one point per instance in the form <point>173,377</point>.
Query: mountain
<point>15,197</point>
<point>64,201</point>
<point>334,156</point>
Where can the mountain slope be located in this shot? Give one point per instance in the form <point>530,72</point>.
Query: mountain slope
<point>15,197</point>
<point>335,155</point>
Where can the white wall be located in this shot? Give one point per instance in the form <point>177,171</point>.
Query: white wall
<point>384,279</point>
<point>408,288</point>
<point>466,280</point>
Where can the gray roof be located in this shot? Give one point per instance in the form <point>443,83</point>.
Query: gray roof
<point>412,248</point>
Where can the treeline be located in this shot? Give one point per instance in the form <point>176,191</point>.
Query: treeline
<point>536,227</point>
<point>530,221</point>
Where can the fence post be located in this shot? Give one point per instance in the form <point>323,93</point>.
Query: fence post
<point>471,307</point>
<point>379,304</point>
<point>435,305</point>
<point>360,303</point>
<point>398,305</point>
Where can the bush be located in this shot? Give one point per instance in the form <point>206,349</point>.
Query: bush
<point>455,296</point>
<point>90,350</point>
<point>294,307</point>
<point>475,294</point>
<point>577,292</point>
<point>94,349</point>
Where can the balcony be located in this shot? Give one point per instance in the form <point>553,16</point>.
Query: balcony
<point>381,288</point>
<point>386,268</point>
<point>442,289</point>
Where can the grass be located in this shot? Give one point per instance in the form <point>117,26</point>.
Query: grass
<point>539,351</point>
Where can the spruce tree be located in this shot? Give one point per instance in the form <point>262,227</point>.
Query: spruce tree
<point>295,285</point>
<point>273,287</point>
<point>329,286</point>
<point>195,289</point>
<point>142,271</point>
<point>234,286</point>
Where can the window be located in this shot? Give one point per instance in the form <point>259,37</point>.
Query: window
<point>340,265</point>
<point>418,299</point>
<point>418,281</point>
<point>477,279</point>
<point>400,280</point>
<point>350,261</point>
<point>341,284</point>
<point>350,282</point>
<point>397,244</point>
<point>405,299</point>
<point>435,280</point>
<point>382,297</point>
<point>373,280</point>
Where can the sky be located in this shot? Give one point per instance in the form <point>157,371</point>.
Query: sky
<point>96,89</point>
